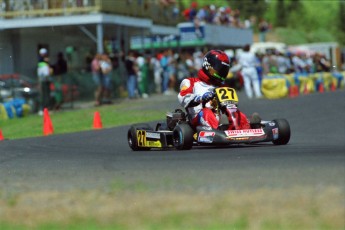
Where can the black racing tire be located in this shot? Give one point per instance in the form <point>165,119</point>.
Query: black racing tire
<point>132,136</point>
<point>183,136</point>
<point>284,132</point>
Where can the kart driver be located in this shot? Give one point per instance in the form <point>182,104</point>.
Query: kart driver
<point>194,92</point>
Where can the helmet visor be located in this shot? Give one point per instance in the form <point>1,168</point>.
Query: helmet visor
<point>222,71</point>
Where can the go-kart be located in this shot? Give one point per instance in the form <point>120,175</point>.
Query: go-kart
<point>178,133</point>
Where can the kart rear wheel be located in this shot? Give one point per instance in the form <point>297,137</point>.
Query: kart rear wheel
<point>283,132</point>
<point>183,136</point>
<point>132,136</point>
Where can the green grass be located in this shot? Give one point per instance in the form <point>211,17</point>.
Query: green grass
<point>82,119</point>
<point>272,209</point>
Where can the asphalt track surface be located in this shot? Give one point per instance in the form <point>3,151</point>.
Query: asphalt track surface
<point>100,159</point>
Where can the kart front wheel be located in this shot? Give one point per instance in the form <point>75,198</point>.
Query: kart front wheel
<point>283,132</point>
<point>183,137</point>
<point>133,138</point>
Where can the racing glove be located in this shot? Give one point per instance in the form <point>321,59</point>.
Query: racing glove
<point>204,98</point>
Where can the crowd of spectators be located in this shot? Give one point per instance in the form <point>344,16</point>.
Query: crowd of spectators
<point>298,62</point>
<point>162,72</point>
<point>223,15</point>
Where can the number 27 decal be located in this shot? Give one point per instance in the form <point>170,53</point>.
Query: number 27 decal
<point>141,134</point>
<point>226,94</point>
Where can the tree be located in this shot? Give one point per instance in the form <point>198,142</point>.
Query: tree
<point>249,8</point>
<point>341,16</point>
<point>280,20</point>
<point>295,5</point>
<point>296,16</point>
<point>341,25</point>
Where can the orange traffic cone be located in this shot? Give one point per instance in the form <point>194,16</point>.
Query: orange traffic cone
<point>332,88</point>
<point>305,90</point>
<point>293,91</point>
<point>296,90</point>
<point>1,136</point>
<point>321,88</point>
<point>47,123</point>
<point>97,122</point>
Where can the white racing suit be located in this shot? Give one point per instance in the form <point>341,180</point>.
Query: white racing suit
<point>191,88</point>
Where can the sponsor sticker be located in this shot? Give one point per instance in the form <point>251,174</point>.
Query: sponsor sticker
<point>206,134</point>
<point>245,132</point>
<point>153,135</point>
<point>239,138</point>
<point>206,137</point>
<point>155,144</point>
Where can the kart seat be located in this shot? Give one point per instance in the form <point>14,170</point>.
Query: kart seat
<point>173,118</point>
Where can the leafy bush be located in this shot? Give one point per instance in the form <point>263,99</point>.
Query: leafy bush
<point>291,36</point>
<point>320,35</point>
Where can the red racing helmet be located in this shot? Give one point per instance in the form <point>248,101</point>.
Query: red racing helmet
<point>216,65</point>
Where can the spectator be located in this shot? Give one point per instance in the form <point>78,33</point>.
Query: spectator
<point>181,69</point>
<point>202,14</point>
<point>172,72</point>
<point>151,85</point>
<point>132,74</point>
<point>157,73</point>
<point>198,57</point>
<point>42,53</point>
<point>283,63</point>
<point>258,66</point>
<point>200,17</point>
<point>106,68</point>
<point>235,78</point>
<point>97,78</point>
<point>310,67</point>
<point>175,11</point>
<point>249,23</point>
<point>44,73</point>
<point>263,28</point>
<point>269,62</point>
<point>211,14</point>
<point>235,20</point>
<point>190,64</point>
<point>193,11</point>
<point>60,69</point>
<point>321,63</point>
<point>247,60</point>
<point>165,64</point>
<point>88,59</point>
<point>222,17</point>
<point>298,63</point>
<point>142,76</point>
